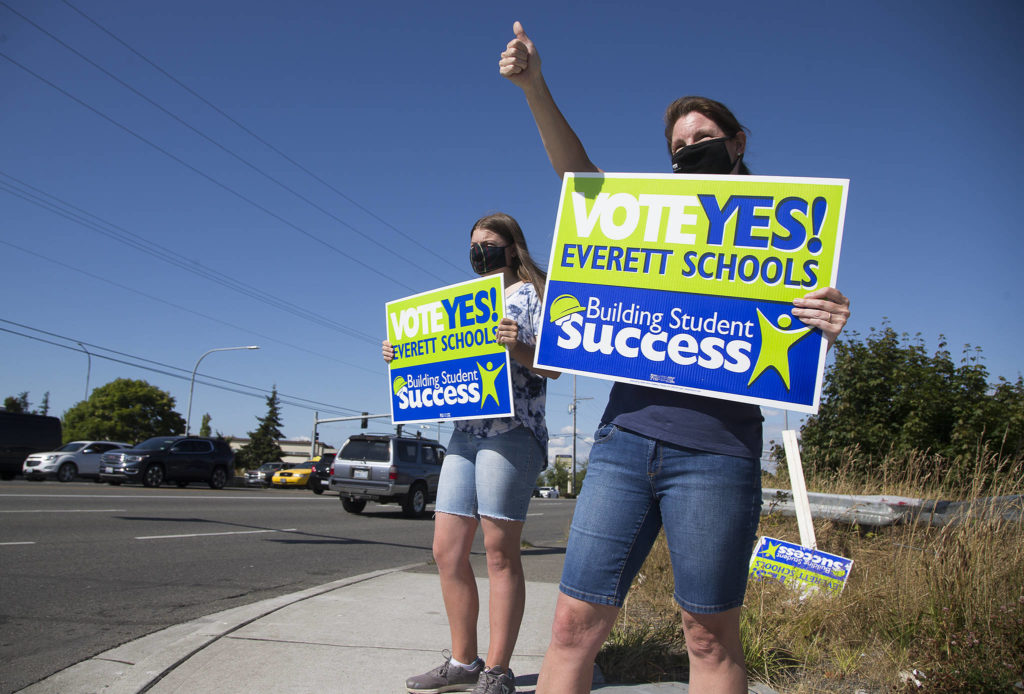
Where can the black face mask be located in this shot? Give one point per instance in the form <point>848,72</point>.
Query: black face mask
<point>486,258</point>
<point>705,157</point>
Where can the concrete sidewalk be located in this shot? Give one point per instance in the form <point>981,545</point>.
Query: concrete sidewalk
<point>360,635</point>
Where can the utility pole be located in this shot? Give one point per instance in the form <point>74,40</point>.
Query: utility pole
<point>572,409</point>
<point>88,369</point>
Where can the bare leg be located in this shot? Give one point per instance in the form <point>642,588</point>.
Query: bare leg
<point>716,653</point>
<point>576,636</point>
<point>507,587</point>
<point>453,538</point>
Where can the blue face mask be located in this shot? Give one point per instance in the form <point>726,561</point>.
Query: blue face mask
<point>486,258</point>
<point>705,157</point>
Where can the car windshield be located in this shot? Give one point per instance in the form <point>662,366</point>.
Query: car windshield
<point>72,447</point>
<point>267,467</point>
<point>361,449</point>
<point>158,443</point>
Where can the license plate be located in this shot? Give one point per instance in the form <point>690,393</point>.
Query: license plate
<point>361,474</point>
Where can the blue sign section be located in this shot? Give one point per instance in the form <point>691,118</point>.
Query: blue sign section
<point>468,388</point>
<point>719,346</point>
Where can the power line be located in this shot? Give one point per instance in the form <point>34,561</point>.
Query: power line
<point>182,308</point>
<point>213,180</point>
<point>291,400</point>
<point>167,255</point>
<point>259,139</point>
<point>219,145</point>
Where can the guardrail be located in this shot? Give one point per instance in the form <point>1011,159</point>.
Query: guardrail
<point>881,510</point>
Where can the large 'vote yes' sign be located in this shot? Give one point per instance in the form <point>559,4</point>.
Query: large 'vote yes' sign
<point>686,283</point>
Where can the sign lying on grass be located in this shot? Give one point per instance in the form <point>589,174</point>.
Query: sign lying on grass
<point>447,364</point>
<point>797,566</point>
<point>686,282</point>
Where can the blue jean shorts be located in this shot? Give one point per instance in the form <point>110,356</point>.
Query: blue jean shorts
<point>709,505</point>
<point>491,476</point>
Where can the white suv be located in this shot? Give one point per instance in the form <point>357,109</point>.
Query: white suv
<point>77,458</point>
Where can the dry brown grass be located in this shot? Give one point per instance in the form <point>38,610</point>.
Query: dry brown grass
<point>947,602</point>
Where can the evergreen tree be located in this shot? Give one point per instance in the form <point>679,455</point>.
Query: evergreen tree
<point>44,406</point>
<point>204,428</point>
<point>263,446</point>
<point>17,403</point>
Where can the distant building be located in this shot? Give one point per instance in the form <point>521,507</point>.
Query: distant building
<point>293,451</point>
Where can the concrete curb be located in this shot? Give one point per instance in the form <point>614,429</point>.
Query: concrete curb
<point>137,666</point>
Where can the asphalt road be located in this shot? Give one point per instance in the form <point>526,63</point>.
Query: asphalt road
<point>85,567</point>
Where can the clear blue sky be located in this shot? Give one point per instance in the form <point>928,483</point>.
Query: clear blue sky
<point>398,109</point>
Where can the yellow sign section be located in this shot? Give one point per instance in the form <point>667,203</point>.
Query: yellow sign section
<point>447,323</point>
<point>757,237</point>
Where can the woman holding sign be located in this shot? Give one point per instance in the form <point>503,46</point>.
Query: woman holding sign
<point>488,477</point>
<point>662,458</point>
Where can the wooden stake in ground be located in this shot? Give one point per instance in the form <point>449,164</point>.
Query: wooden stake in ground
<point>800,500</point>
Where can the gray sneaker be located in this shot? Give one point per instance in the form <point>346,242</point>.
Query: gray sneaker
<point>494,681</point>
<point>446,678</point>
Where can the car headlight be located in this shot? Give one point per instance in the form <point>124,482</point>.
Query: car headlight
<point>49,458</point>
<point>134,458</point>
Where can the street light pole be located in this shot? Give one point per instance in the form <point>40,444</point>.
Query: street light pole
<point>192,383</point>
<point>88,369</point>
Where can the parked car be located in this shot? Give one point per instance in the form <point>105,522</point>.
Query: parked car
<point>293,475</point>
<point>261,476</point>
<point>547,492</point>
<point>387,468</point>
<point>24,434</point>
<point>77,458</point>
<point>178,459</point>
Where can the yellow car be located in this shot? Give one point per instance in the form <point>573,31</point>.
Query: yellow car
<point>293,475</point>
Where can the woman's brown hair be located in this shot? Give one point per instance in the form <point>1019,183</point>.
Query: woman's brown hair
<point>709,108</point>
<point>521,263</point>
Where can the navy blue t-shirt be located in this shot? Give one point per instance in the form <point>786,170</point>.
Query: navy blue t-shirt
<point>691,421</point>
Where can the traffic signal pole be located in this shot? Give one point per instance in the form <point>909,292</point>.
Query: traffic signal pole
<point>317,421</point>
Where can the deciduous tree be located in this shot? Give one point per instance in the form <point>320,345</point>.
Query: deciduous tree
<point>885,394</point>
<point>124,410</point>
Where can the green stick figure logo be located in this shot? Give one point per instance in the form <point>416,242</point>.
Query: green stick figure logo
<point>775,346</point>
<point>488,378</point>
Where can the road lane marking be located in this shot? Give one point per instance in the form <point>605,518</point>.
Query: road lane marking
<point>199,494</point>
<point>70,510</point>
<point>5,544</point>
<point>234,532</point>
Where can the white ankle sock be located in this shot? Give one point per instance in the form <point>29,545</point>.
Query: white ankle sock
<point>471,666</point>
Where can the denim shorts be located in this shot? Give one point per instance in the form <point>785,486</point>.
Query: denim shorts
<point>490,476</point>
<point>709,504</point>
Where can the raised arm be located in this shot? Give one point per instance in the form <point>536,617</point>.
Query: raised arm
<point>520,64</point>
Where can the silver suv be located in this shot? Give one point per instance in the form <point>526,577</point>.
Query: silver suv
<point>77,458</point>
<point>260,477</point>
<point>385,468</point>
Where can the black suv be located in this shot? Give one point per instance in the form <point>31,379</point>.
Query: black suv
<point>320,478</point>
<point>179,459</point>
